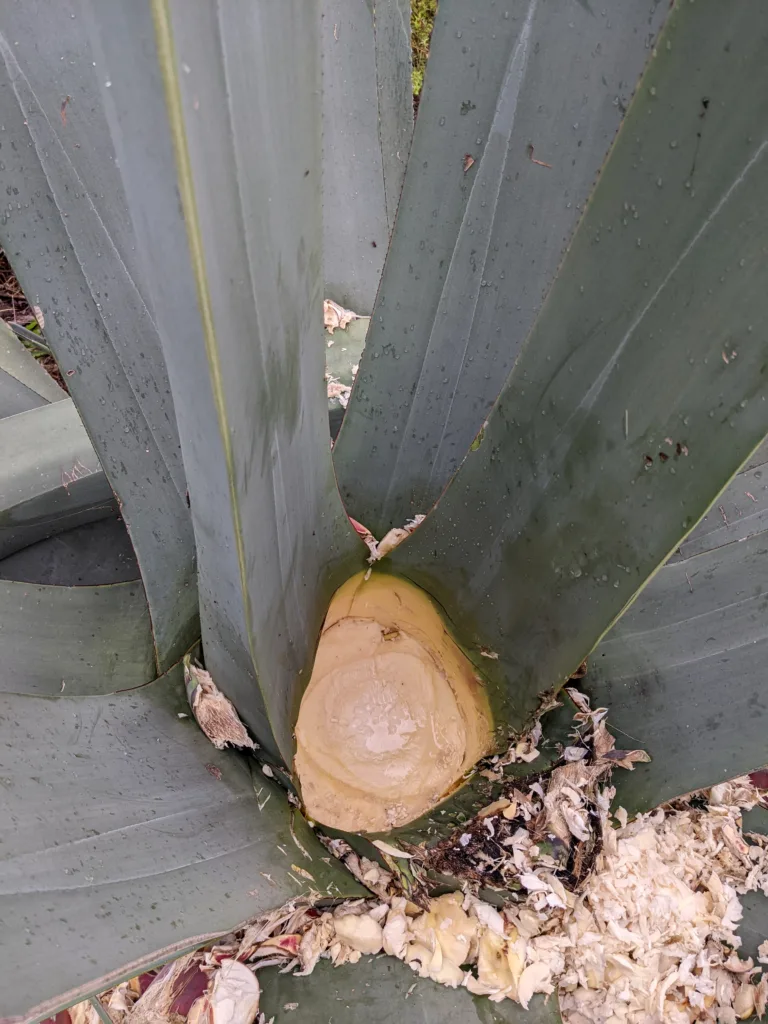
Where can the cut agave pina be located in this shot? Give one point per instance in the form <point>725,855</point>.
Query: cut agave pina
<point>394,713</point>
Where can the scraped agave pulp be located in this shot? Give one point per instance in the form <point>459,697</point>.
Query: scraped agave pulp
<point>394,712</point>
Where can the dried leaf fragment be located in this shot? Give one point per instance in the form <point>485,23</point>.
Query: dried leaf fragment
<point>390,540</point>
<point>314,943</point>
<point>84,1013</point>
<point>335,389</point>
<point>215,713</point>
<point>302,872</point>
<point>335,316</point>
<point>389,849</point>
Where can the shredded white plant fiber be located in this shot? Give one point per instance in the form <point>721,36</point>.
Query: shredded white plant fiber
<point>651,938</point>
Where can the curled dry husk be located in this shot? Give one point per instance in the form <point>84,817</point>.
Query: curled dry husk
<point>215,713</point>
<point>335,316</point>
<point>335,389</point>
<point>379,549</point>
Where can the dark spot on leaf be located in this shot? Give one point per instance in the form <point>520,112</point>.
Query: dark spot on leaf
<point>373,245</point>
<point>648,461</point>
<point>663,456</point>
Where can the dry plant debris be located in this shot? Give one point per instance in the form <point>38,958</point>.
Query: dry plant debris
<point>214,713</point>
<point>630,922</point>
<point>335,316</point>
<point>552,821</point>
<point>335,389</point>
<point>379,549</point>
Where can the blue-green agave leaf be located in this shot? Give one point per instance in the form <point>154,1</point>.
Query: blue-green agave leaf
<point>67,232</point>
<point>237,291</point>
<point>367,121</point>
<point>24,384</point>
<point>643,386</point>
<point>682,671</point>
<point>127,839</point>
<point>520,105</point>
<point>50,478</point>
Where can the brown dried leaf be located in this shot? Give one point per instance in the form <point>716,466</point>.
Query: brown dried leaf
<point>215,713</point>
<point>602,741</point>
<point>627,758</point>
<point>335,316</point>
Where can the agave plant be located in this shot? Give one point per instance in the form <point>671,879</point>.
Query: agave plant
<point>563,372</point>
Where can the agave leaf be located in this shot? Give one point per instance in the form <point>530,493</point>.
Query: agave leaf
<point>73,615</point>
<point>643,386</point>
<point>240,319</point>
<point>754,925</point>
<point>68,234</point>
<point>24,384</point>
<point>683,670</point>
<point>129,837</point>
<point>74,640</point>
<point>481,229</point>
<point>367,117</point>
<point>94,554</point>
<point>50,478</point>
<point>385,989</point>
